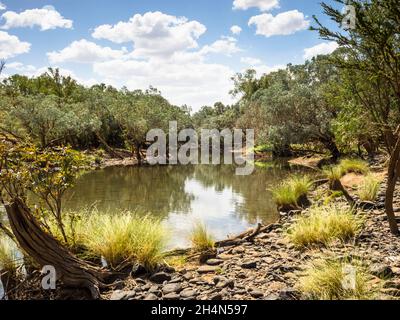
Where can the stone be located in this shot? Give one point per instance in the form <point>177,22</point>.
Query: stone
<point>249,265</point>
<point>160,277</point>
<point>217,296</point>
<point>207,269</point>
<point>171,287</point>
<point>272,297</point>
<point>214,262</point>
<point>188,293</point>
<point>171,296</point>
<point>226,283</point>
<point>138,270</point>
<point>151,296</point>
<point>122,295</point>
<point>257,293</point>
<point>382,271</point>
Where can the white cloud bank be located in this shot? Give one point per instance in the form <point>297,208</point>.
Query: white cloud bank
<point>263,5</point>
<point>84,51</point>
<point>153,33</point>
<point>11,46</point>
<point>322,48</point>
<point>2,6</point>
<point>46,18</point>
<point>285,23</point>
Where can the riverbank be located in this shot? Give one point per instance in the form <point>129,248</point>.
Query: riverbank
<point>270,267</point>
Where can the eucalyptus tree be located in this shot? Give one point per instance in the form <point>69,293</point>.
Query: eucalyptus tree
<point>372,59</point>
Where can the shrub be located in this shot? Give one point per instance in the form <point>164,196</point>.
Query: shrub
<point>291,191</point>
<point>327,279</point>
<point>324,224</point>
<point>368,190</point>
<point>201,239</point>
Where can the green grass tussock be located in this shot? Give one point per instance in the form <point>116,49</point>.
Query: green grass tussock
<point>324,224</point>
<point>201,238</point>
<point>121,237</point>
<point>327,279</point>
<point>354,165</point>
<point>9,257</point>
<point>291,190</point>
<point>368,191</point>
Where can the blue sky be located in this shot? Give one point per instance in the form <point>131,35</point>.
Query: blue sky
<point>187,49</point>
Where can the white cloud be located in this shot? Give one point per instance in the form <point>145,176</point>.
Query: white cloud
<point>236,30</point>
<point>182,81</point>
<point>11,46</point>
<point>46,18</point>
<point>322,48</point>
<point>84,51</point>
<point>153,33</point>
<point>2,6</point>
<point>20,67</point>
<point>226,46</point>
<point>263,5</point>
<point>264,69</point>
<point>250,61</point>
<point>285,23</point>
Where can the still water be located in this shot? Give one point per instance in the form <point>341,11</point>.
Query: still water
<point>181,195</point>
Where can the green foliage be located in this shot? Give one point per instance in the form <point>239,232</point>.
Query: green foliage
<point>321,225</point>
<point>368,191</point>
<point>328,279</point>
<point>201,239</point>
<point>291,190</point>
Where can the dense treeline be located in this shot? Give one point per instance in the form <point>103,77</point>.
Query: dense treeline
<point>55,110</point>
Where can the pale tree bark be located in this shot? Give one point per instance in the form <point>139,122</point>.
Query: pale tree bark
<point>47,251</point>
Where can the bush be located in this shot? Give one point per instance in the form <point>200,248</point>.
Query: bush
<point>291,191</point>
<point>201,239</point>
<point>324,224</point>
<point>368,191</point>
<point>327,279</point>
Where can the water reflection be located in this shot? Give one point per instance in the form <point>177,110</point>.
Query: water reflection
<point>180,195</point>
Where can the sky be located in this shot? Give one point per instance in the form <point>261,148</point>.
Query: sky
<point>189,50</point>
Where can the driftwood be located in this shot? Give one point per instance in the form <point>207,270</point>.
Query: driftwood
<point>46,250</point>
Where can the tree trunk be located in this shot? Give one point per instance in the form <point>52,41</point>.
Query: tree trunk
<point>330,144</point>
<point>393,175</point>
<point>47,251</point>
<point>336,185</point>
<point>110,150</point>
<point>138,154</point>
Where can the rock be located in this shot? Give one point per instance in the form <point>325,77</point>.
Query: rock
<point>171,287</point>
<point>214,262</point>
<point>272,297</point>
<point>238,250</point>
<point>151,296</point>
<point>160,277</point>
<point>257,293</point>
<point>289,294</point>
<point>122,295</point>
<point>249,265</point>
<point>188,293</point>
<point>217,296</point>
<point>171,296</point>
<point>138,270</point>
<point>207,269</point>
<point>226,283</point>
<point>382,271</point>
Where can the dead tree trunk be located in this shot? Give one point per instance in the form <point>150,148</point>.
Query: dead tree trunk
<point>45,250</point>
<point>336,185</point>
<point>393,175</point>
